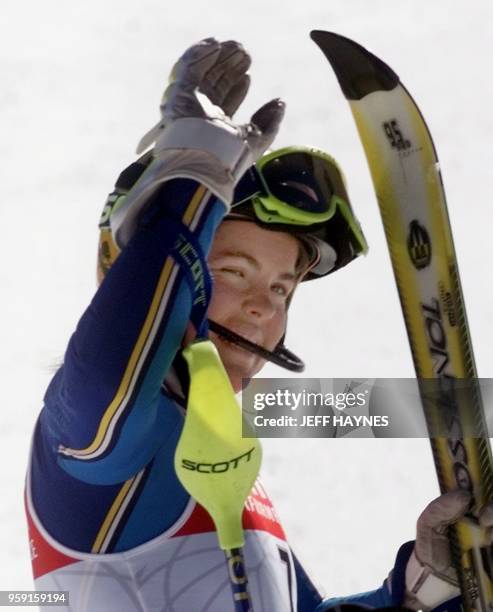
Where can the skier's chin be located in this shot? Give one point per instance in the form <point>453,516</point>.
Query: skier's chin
<point>239,363</point>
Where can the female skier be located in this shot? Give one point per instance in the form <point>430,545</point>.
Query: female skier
<point>108,520</point>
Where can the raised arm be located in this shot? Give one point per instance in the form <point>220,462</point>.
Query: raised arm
<point>101,410</point>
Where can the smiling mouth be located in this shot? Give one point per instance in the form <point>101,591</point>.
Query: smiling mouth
<point>235,339</point>
<point>281,356</point>
<point>253,340</point>
<point>234,345</point>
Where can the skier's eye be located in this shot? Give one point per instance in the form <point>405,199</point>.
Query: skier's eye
<point>233,272</point>
<point>282,290</point>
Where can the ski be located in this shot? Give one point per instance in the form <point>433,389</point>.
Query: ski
<point>411,198</point>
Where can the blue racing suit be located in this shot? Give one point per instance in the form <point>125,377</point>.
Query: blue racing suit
<point>108,519</point>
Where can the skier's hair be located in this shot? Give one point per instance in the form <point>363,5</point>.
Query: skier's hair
<point>303,262</point>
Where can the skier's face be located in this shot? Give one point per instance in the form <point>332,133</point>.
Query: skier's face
<point>254,273</point>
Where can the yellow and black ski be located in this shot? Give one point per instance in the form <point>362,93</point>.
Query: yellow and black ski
<point>409,189</point>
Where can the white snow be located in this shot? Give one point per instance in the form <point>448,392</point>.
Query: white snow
<point>81,83</point>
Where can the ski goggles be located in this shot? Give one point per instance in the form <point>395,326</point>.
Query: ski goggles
<point>295,186</point>
<point>301,190</point>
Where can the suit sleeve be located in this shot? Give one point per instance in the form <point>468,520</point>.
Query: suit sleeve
<point>101,409</point>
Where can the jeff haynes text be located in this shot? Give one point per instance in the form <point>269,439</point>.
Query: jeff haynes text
<point>319,420</point>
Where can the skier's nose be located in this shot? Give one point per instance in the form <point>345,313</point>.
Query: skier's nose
<point>259,304</point>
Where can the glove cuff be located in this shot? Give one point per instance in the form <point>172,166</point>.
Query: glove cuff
<point>217,140</point>
<point>425,587</point>
<point>211,152</point>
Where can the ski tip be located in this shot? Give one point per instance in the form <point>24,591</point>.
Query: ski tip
<point>358,71</point>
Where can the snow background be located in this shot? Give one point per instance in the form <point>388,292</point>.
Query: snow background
<point>81,83</point>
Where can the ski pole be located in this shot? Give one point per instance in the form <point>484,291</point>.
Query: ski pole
<point>215,464</point>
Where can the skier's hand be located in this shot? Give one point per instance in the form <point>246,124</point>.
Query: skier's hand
<point>189,142</point>
<point>430,575</point>
<point>219,71</point>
